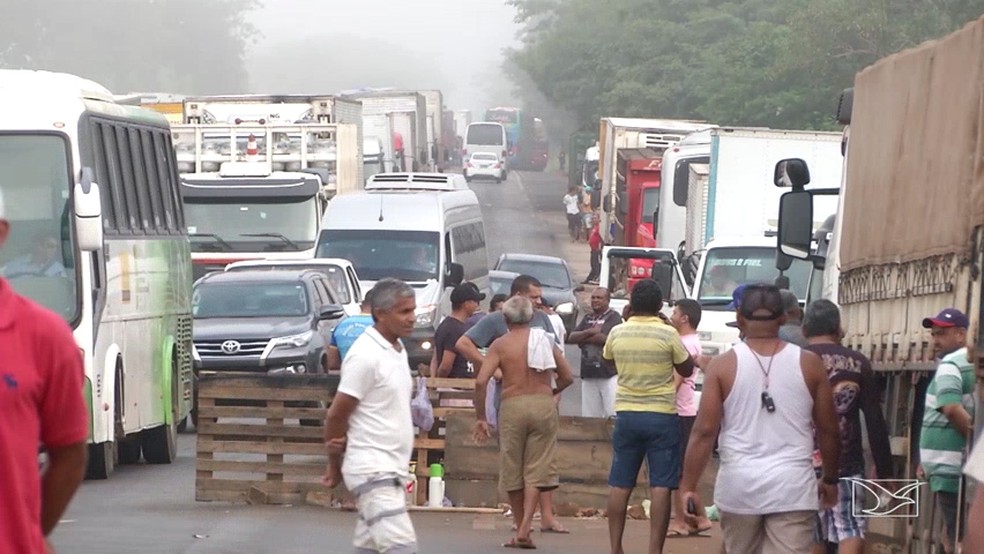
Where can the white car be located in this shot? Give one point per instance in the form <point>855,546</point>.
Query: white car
<point>484,165</point>
<point>342,276</point>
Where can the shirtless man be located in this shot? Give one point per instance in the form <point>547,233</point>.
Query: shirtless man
<point>528,418</point>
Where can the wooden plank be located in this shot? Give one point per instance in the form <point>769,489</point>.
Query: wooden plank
<point>261,447</point>
<point>261,431</point>
<point>443,412</point>
<point>450,383</point>
<point>258,393</point>
<point>266,486</point>
<point>460,425</point>
<point>241,412</point>
<point>428,443</point>
<point>284,468</point>
<point>253,380</point>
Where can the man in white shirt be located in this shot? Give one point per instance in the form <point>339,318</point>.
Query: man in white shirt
<point>572,208</point>
<point>369,421</point>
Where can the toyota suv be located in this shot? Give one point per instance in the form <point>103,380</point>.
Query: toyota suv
<point>270,321</point>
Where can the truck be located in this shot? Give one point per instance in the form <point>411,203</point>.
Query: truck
<point>622,209</point>
<point>732,217</point>
<point>257,172</point>
<point>577,149</point>
<point>434,105</point>
<point>409,127</point>
<point>171,106</point>
<point>901,250</point>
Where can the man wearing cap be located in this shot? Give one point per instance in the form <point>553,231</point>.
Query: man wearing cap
<point>792,330</point>
<point>41,402</point>
<point>948,418</point>
<point>446,362</point>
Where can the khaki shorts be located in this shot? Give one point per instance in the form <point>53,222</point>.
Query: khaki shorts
<point>528,442</point>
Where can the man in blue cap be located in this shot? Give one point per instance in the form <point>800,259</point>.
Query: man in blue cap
<point>949,415</point>
<point>734,305</point>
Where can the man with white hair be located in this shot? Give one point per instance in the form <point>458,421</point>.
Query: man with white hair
<point>528,418</point>
<point>40,403</point>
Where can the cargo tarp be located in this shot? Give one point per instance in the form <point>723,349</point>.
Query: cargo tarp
<point>915,187</point>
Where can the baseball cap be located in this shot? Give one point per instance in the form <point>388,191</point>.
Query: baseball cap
<point>950,317</point>
<point>465,292</point>
<point>736,297</point>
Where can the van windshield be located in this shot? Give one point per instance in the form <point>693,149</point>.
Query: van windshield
<point>412,256</point>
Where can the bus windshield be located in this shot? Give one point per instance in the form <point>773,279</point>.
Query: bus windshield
<point>38,259</point>
<point>251,224</point>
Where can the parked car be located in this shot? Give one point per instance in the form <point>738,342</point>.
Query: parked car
<point>340,273</point>
<point>485,165</point>
<point>553,273</point>
<point>269,321</point>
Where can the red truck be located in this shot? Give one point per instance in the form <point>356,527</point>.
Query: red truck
<point>637,180</point>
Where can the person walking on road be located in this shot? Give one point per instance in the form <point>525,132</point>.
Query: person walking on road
<point>572,207</point>
<point>646,350</point>
<point>562,159</point>
<point>596,244</point>
<point>528,419</point>
<point>854,389</point>
<point>368,427</point>
<point>948,419</point>
<point>685,319</point>
<point>344,334</point>
<point>598,375</point>
<point>41,403</point>
<point>765,397</point>
<point>446,362</point>
<point>493,326</point>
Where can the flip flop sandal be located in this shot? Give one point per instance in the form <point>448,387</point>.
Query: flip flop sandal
<point>556,530</point>
<point>522,544</point>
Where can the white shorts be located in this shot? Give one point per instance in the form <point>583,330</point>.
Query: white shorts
<point>598,397</point>
<point>384,524</point>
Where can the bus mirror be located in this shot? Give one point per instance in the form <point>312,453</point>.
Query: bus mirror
<point>791,172</point>
<point>88,213</point>
<point>796,224</point>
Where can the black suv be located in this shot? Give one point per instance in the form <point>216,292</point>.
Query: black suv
<point>263,321</point>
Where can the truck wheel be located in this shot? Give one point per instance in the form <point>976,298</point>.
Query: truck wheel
<point>102,460</point>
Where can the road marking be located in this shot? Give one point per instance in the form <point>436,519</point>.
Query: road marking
<point>522,187</point>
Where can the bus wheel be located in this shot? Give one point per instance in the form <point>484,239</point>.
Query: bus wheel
<point>128,451</point>
<point>160,444</point>
<point>102,460</point>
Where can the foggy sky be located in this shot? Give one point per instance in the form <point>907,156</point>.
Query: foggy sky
<point>323,46</point>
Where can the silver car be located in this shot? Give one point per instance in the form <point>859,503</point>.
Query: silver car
<point>486,165</point>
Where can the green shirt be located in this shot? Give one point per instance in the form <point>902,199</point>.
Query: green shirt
<point>941,446</point>
<point>645,350</point>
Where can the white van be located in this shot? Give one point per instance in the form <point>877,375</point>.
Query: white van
<point>487,136</point>
<point>423,228</point>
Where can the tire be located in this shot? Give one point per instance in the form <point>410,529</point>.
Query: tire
<point>128,452</point>
<point>160,444</point>
<point>498,180</point>
<point>183,424</point>
<point>102,460</point>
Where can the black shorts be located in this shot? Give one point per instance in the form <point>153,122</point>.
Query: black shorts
<point>686,426</point>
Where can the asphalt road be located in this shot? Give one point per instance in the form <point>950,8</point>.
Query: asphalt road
<point>151,509</point>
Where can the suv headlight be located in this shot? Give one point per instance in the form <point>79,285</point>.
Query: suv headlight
<point>425,315</point>
<point>294,340</point>
<point>567,308</point>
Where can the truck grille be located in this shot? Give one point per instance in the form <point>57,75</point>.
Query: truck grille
<point>219,348</point>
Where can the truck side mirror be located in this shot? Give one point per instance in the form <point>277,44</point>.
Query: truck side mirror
<point>88,213</point>
<point>456,274</point>
<point>607,203</point>
<point>663,275</point>
<point>791,173</point>
<point>796,224</point>
<point>655,222</point>
<point>623,204</point>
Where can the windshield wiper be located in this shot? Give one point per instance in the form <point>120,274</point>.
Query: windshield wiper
<point>716,302</point>
<point>289,242</point>
<point>212,236</point>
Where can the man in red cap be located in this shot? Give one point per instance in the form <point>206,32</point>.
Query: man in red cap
<point>949,415</point>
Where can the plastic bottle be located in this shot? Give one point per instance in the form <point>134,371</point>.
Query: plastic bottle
<point>435,488</point>
<point>411,488</point>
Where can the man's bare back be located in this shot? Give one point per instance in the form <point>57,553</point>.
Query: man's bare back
<point>509,352</point>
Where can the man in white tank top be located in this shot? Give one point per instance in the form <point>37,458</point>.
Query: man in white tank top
<point>765,397</point>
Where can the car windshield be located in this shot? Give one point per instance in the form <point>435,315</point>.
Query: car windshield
<point>551,275</point>
<point>334,273</point>
<point>237,299</point>
<point>251,224</point>
<point>412,256</point>
<point>39,257</point>
<point>727,267</point>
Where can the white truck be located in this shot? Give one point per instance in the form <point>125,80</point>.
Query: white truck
<point>407,113</point>
<point>617,133</point>
<point>434,102</point>
<point>909,238</point>
<point>732,211</point>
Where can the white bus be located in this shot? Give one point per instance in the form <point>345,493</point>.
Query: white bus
<point>98,236</point>
<point>487,136</point>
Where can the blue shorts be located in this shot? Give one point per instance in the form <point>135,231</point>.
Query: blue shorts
<point>649,435</point>
<point>839,524</point>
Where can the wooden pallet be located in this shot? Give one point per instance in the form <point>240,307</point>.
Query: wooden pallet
<point>251,445</point>
<point>448,396</point>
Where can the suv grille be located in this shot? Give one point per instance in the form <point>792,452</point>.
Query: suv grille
<point>226,347</point>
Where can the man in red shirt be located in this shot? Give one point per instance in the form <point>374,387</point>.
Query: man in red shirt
<point>596,244</point>
<point>41,403</point>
